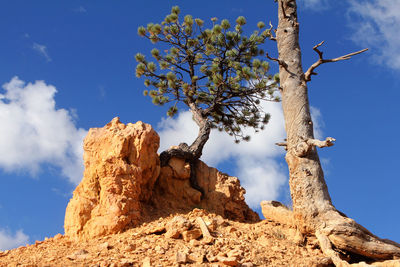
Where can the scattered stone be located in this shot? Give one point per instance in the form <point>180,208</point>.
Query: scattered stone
<point>194,243</point>
<point>191,234</point>
<point>388,263</point>
<point>196,257</point>
<point>230,261</point>
<point>277,212</point>
<point>159,250</point>
<point>78,255</point>
<point>126,263</point>
<point>158,229</point>
<point>181,257</point>
<point>105,246</point>
<point>177,226</point>
<point>203,227</point>
<point>231,229</point>
<point>173,233</point>
<point>125,200</point>
<point>208,240</point>
<point>234,254</point>
<point>146,262</point>
<point>4,253</point>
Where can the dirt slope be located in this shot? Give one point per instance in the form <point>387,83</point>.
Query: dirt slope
<point>156,243</point>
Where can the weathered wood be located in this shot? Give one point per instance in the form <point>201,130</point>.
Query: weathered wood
<point>313,211</point>
<point>203,227</point>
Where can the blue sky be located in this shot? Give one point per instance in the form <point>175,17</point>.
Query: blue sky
<point>68,66</point>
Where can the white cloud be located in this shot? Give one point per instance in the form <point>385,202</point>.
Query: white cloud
<point>316,5</point>
<point>255,161</point>
<point>262,177</point>
<point>9,241</point>
<point>376,25</point>
<point>318,123</point>
<point>42,50</point>
<point>80,9</point>
<point>34,131</point>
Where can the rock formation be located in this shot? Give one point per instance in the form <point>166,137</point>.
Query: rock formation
<point>223,193</point>
<point>277,212</point>
<point>123,184</point>
<point>121,167</point>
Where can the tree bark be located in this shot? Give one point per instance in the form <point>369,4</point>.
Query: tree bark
<point>193,152</point>
<point>196,148</point>
<point>313,210</point>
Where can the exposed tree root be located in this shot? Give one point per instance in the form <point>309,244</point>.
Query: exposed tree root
<point>183,151</point>
<point>326,247</point>
<point>339,235</point>
<point>347,235</point>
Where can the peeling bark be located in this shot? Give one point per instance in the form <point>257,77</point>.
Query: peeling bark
<point>314,213</point>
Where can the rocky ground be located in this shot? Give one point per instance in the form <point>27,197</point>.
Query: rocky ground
<point>177,240</point>
<point>130,211</point>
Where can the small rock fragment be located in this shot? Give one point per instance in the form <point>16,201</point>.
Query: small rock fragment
<point>78,255</point>
<point>231,229</point>
<point>105,246</point>
<point>130,247</point>
<point>234,254</point>
<point>194,243</point>
<point>181,257</point>
<point>203,227</point>
<point>158,229</point>
<point>208,240</point>
<point>230,261</point>
<point>159,250</point>
<point>146,262</point>
<point>173,233</point>
<point>125,263</point>
<point>191,234</point>
<point>176,226</point>
<point>196,257</point>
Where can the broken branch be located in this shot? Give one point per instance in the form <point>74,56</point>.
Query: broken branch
<point>283,10</point>
<point>321,60</point>
<point>284,144</point>
<point>304,147</point>
<point>203,227</point>
<point>280,62</point>
<point>326,143</point>
<point>271,29</point>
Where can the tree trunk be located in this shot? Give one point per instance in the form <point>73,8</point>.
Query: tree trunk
<point>313,211</point>
<point>196,148</point>
<point>193,152</point>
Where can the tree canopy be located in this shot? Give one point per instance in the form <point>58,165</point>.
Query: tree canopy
<point>218,72</point>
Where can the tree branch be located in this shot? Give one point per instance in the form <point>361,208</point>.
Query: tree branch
<point>273,38</point>
<point>284,144</point>
<point>326,143</point>
<point>280,62</point>
<point>284,11</point>
<point>305,146</point>
<point>321,60</point>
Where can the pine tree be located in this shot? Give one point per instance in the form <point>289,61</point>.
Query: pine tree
<point>218,72</point>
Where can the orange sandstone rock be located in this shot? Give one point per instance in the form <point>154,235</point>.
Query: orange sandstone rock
<point>123,184</point>
<point>223,193</point>
<point>121,167</point>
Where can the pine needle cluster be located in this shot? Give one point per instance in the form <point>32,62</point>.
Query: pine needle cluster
<point>217,70</point>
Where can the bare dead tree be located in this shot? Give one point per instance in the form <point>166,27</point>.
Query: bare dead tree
<point>313,210</point>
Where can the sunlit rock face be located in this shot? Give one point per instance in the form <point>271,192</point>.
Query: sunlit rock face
<point>124,185</point>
